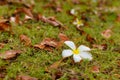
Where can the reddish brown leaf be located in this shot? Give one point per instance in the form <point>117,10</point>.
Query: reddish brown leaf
<point>101,47</point>
<point>90,39</point>
<point>23,77</point>
<point>117,49</point>
<point>26,40</point>
<point>107,33</point>
<point>28,3</point>
<point>73,78</point>
<point>3,2</point>
<point>2,76</point>
<point>5,26</point>
<point>63,37</point>
<point>1,45</point>
<point>82,32</point>
<point>118,17</point>
<point>58,75</point>
<point>47,43</point>
<point>51,20</point>
<point>15,19</point>
<point>75,1</point>
<point>9,54</point>
<point>56,64</point>
<point>95,69</point>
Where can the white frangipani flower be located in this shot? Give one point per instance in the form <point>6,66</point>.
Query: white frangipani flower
<point>78,23</point>
<point>78,53</point>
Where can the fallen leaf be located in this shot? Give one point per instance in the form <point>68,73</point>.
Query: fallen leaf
<point>58,74</point>
<point>2,76</point>
<point>26,40</point>
<point>118,17</point>
<point>53,4</point>
<point>107,33</point>
<point>1,45</point>
<point>24,77</point>
<point>95,69</point>
<point>56,64</point>
<point>5,26</point>
<point>3,2</point>
<point>27,3</point>
<point>51,20</point>
<point>82,32</point>
<point>15,19</point>
<point>117,49</point>
<point>75,1</point>
<point>117,76</point>
<point>9,54</point>
<point>90,39</point>
<point>73,78</point>
<point>101,47</point>
<point>46,44</point>
<point>63,37</point>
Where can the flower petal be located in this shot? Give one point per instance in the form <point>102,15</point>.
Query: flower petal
<point>70,44</point>
<point>86,55</point>
<point>66,53</point>
<point>83,48</point>
<point>77,58</point>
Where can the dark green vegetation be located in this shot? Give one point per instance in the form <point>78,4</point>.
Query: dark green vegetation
<point>97,16</point>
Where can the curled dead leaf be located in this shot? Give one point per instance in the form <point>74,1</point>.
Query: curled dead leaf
<point>5,26</point>
<point>47,44</point>
<point>26,40</point>
<point>51,20</point>
<point>117,49</point>
<point>10,54</point>
<point>56,64</point>
<point>90,39</point>
<point>24,77</point>
<point>75,1</point>
<point>95,69</point>
<point>27,3</point>
<point>1,45</point>
<point>107,33</point>
<point>63,37</point>
<point>82,32</point>
<point>101,47</point>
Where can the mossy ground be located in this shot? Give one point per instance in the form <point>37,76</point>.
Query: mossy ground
<point>34,62</point>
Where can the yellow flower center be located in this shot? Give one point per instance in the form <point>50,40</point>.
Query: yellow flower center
<point>76,51</point>
<point>79,22</point>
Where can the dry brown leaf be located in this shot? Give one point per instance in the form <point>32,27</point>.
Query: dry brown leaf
<point>117,75</point>
<point>63,37</point>
<point>3,2</point>
<point>47,43</point>
<point>107,33</point>
<point>5,26</point>
<point>2,76</point>
<point>10,54</point>
<point>1,45</point>
<point>26,40</point>
<point>95,69</point>
<point>23,77</point>
<point>28,3</point>
<point>15,19</point>
<point>101,47</point>
<point>51,20</point>
<point>53,4</point>
<point>117,49</point>
<point>82,32</point>
<point>75,1</point>
<point>118,17</point>
<point>56,64</point>
<point>90,39</point>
